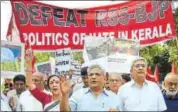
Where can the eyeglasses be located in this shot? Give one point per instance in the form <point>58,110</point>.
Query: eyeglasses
<point>140,65</point>
<point>173,84</point>
<point>96,74</point>
<point>114,80</point>
<point>36,81</point>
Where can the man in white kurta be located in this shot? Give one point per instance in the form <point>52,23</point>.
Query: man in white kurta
<point>140,94</point>
<point>29,102</point>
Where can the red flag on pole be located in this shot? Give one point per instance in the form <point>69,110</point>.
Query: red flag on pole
<point>174,67</point>
<point>156,74</point>
<point>149,74</point>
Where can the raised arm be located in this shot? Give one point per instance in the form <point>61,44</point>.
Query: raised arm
<point>29,58</point>
<point>38,94</point>
<point>65,90</point>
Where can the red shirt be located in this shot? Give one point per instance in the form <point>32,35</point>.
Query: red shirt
<point>41,96</point>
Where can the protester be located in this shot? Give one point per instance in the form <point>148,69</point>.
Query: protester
<point>140,94</point>
<point>94,98</point>
<point>171,91</point>
<point>27,100</point>
<point>125,78</point>
<point>5,106</point>
<point>84,75</point>
<point>4,94</point>
<point>115,81</point>
<point>5,100</point>
<point>49,102</point>
<point>20,86</point>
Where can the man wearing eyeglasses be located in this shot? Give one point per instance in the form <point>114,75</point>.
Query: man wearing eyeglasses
<point>93,98</point>
<point>170,91</point>
<point>115,82</point>
<point>140,94</point>
<point>28,101</point>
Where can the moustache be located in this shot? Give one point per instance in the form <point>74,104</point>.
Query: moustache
<point>141,71</point>
<point>171,92</point>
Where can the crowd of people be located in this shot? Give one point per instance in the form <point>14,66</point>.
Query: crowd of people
<point>99,91</point>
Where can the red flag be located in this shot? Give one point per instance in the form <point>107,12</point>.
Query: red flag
<point>149,74</point>
<point>9,32</point>
<point>149,70</point>
<point>156,74</point>
<point>174,67</point>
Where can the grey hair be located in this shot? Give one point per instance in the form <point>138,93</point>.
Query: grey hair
<point>96,66</point>
<point>168,75</point>
<point>138,59</point>
<point>115,74</point>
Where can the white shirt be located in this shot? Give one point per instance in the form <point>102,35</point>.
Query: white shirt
<point>14,94</point>
<point>4,97</point>
<point>29,102</point>
<point>5,106</point>
<point>146,98</point>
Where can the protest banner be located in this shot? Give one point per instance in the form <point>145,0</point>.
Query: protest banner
<point>77,55</point>
<point>45,68</point>
<point>63,61</point>
<point>128,47</point>
<point>76,68</point>
<point>43,56</point>
<point>99,47</point>
<point>100,61</point>
<point>12,59</point>
<point>120,63</point>
<point>47,27</point>
<point>114,55</point>
<point>76,79</point>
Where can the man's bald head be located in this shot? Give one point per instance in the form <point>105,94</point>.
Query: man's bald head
<point>171,76</point>
<point>38,80</point>
<point>39,75</point>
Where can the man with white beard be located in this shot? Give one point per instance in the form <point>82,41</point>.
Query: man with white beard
<point>170,91</point>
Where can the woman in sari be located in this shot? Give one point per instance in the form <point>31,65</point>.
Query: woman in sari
<point>49,102</point>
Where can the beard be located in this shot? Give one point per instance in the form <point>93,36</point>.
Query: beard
<point>171,93</point>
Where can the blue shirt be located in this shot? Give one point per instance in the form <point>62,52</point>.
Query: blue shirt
<point>84,100</point>
<point>172,104</point>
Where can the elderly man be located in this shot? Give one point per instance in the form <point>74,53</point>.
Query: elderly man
<point>27,100</point>
<point>94,98</point>
<point>115,81</point>
<point>170,92</point>
<point>140,94</point>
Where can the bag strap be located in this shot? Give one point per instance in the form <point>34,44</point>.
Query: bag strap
<point>51,106</point>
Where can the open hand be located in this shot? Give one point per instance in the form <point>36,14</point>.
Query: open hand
<point>65,86</point>
<point>29,57</point>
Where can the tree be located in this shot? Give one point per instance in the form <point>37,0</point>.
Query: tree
<point>163,54</point>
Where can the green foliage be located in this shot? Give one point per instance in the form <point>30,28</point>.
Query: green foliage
<point>151,51</point>
<point>176,20</point>
<point>43,56</point>
<point>163,54</point>
<point>78,56</point>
